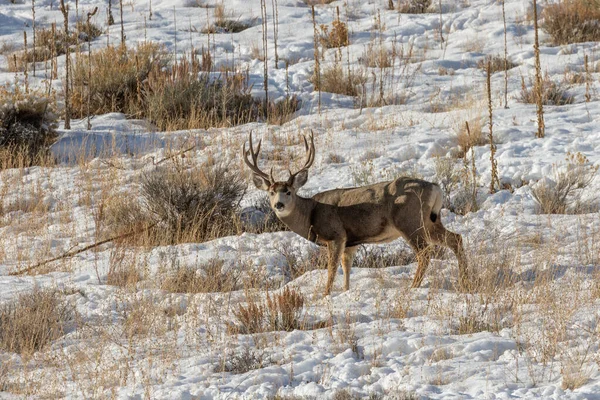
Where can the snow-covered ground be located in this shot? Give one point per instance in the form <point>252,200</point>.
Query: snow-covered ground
<point>530,339</point>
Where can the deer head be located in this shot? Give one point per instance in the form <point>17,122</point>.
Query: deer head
<point>282,194</point>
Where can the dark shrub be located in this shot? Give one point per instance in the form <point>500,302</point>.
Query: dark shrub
<point>27,123</point>
<point>194,205</point>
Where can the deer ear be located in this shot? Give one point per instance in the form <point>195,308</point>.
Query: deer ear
<point>300,179</point>
<point>260,182</point>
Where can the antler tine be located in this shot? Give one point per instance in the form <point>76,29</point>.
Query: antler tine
<point>311,151</point>
<point>311,154</point>
<point>254,164</point>
<point>254,153</point>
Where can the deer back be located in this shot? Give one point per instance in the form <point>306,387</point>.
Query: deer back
<point>372,214</point>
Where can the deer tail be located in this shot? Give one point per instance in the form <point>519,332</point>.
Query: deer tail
<point>435,202</point>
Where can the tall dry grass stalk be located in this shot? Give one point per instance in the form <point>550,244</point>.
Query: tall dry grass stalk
<point>33,29</point>
<point>89,96</point>
<point>473,172</point>
<point>123,26</point>
<point>26,67</point>
<point>275,10</point>
<point>588,79</point>
<point>494,181</point>
<point>263,10</point>
<point>538,89</point>
<point>441,24</point>
<point>317,73</point>
<point>65,12</point>
<point>505,57</point>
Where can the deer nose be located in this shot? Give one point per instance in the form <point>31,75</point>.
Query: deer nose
<point>279,205</point>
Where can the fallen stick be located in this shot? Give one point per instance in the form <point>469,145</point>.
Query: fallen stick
<point>75,252</point>
<point>180,153</point>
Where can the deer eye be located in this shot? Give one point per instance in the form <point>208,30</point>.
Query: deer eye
<point>288,193</point>
<point>272,193</point>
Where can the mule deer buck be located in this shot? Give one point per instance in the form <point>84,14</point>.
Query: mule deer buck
<point>343,219</point>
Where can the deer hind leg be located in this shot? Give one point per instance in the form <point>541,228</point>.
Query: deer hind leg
<point>423,253</point>
<point>441,236</point>
<point>334,250</point>
<point>347,260</point>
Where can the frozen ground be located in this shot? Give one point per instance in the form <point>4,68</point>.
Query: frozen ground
<point>384,340</point>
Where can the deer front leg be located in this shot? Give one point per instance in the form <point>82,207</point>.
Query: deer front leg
<point>347,260</point>
<point>334,253</point>
<point>454,242</point>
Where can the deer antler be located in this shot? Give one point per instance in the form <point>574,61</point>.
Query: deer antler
<point>254,164</point>
<point>310,158</point>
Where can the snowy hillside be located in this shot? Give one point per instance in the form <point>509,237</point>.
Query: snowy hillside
<point>139,324</point>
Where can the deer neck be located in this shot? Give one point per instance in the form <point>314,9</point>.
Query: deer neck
<point>299,220</point>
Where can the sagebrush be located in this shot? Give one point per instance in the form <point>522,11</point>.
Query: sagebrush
<point>194,205</point>
<point>572,21</point>
<point>27,123</point>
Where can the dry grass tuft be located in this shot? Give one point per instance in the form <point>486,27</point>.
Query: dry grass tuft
<point>52,43</point>
<point>575,369</point>
<point>185,95</point>
<point>209,277</point>
<point>117,74</point>
<point>345,394</point>
<point>473,137</point>
<point>473,323</point>
<point>250,318</point>
<point>496,64</point>
<point>141,315</point>
<point>464,202</point>
<point>377,56</point>
<point>279,312</point>
<point>334,158</point>
<point>572,21</point>
<point>563,194</point>
<point>183,98</point>
<point>337,79</point>
<point>122,271</point>
<point>122,214</point>
<point>226,26</point>
<point>27,124</point>
<point>282,111</point>
<point>284,310</point>
<point>88,32</point>
<point>414,6</point>
<point>247,360</point>
<point>33,320</point>
<point>553,93</point>
<point>334,36</point>
<point>317,2</point>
